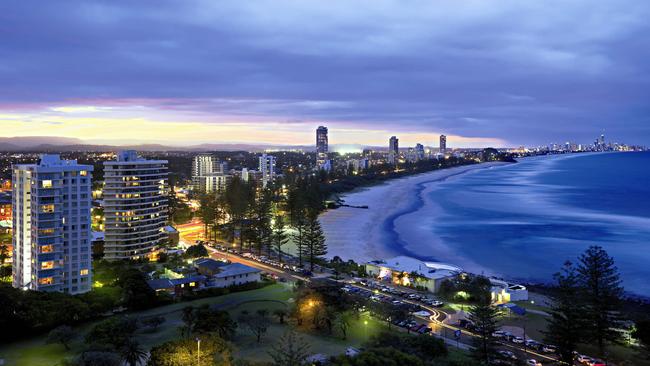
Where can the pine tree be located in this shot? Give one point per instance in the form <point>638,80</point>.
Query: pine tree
<point>565,327</point>
<point>280,237</point>
<point>314,245</point>
<point>291,350</point>
<point>300,225</point>
<point>484,317</point>
<point>601,288</point>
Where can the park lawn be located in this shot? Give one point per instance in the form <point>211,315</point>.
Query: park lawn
<point>35,351</point>
<point>527,305</point>
<point>246,346</point>
<point>534,324</point>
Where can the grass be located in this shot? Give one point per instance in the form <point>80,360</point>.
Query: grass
<point>35,352</point>
<point>535,324</point>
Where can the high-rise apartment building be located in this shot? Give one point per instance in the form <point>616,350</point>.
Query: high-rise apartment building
<point>393,149</point>
<point>51,226</point>
<point>321,140</point>
<point>443,144</point>
<point>393,145</point>
<point>135,206</point>
<point>209,174</point>
<point>267,168</point>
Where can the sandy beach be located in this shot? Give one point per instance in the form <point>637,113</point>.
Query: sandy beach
<point>366,234</point>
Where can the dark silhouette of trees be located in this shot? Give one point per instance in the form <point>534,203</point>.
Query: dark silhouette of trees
<point>601,292</point>
<point>484,317</point>
<point>565,327</point>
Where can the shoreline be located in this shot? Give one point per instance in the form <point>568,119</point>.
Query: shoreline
<point>367,234</point>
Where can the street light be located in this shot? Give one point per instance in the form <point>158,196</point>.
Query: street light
<point>198,351</point>
<point>365,327</point>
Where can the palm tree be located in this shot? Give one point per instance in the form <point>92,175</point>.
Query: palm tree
<point>132,353</point>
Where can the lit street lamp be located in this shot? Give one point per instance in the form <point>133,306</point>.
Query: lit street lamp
<point>198,351</point>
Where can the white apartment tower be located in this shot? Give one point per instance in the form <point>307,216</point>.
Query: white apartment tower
<point>267,168</point>
<point>51,225</point>
<point>209,174</point>
<point>135,206</point>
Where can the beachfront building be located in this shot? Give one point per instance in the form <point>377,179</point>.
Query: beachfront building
<point>407,271</point>
<point>443,144</point>
<point>135,206</point>
<point>503,292</point>
<point>393,149</point>
<point>51,226</point>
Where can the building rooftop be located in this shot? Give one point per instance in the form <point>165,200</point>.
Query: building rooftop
<point>165,283</point>
<point>432,270</point>
<point>235,269</point>
<point>209,263</point>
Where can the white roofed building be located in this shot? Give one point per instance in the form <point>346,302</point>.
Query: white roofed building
<point>407,271</point>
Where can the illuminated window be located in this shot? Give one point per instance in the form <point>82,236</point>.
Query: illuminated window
<point>46,184</point>
<point>46,231</point>
<point>83,173</point>
<point>47,208</point>
<point>47,265</point>
<point>46,281</point>
<point>47,248</point>
<point>83,272</point>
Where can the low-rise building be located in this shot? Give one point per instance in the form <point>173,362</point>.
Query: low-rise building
<point>235,274</point>
<point>504,292</point>
<point>407,271</point>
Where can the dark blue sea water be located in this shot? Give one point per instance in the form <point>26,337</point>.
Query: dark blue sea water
<point>524,220</point>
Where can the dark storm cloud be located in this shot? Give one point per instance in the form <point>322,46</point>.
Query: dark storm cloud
<point>527,72</point>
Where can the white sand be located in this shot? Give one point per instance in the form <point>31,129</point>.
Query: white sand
<point>358,234</point>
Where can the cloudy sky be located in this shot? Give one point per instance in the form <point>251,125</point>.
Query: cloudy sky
<point>500,73</point>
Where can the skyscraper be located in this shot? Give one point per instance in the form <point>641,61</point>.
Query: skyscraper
<point>419,151</point>
<point>443,144</point>
<point>51,225</point>
<point>321,140</point>
<point>393,149</point>
<point>135,206</point>
<point>267,168</point>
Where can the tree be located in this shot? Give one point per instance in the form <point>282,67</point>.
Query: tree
<point>207,209</point>
<point>280,237</point>
<point>62,334</point>
<point>207,320</point>
<point>300,225</point>
<point>484,317</point>
<point>642,333</point>
<point>196,251</point>
<point>137,293</point>
<point>257,323</point>
<point>280,314</point>
<point>601,287</point>
<point>342,322</point>
<point>291,350</point>
<point>565,326</point>
<point>113,332</point>
<point>213,351</point>
<point>315,246</point>
<point>99,358</point>
<point>132,353</point>
<point>154,322</point>
<point>387,356</point>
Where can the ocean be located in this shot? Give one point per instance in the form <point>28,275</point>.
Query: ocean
<point>523,221</point>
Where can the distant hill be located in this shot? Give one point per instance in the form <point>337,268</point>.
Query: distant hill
<point>63,144</point>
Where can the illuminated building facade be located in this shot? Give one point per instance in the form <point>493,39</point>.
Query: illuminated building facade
<point>135,206</point>
<point>51,225</point>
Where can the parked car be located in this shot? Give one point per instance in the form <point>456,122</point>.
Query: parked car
<point>507,354</point>
<point>549,348</point>
<point>533,362</point>
<point>596,363</point>
<point>517,340</point>
<point>499,334</point>
<point>584,359</point>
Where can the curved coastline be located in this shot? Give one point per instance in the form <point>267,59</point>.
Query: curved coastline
<point>361,234</point>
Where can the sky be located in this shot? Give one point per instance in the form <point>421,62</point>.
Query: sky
<point>485,73</point>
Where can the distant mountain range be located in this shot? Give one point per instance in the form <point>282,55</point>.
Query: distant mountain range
<point>63,144</point>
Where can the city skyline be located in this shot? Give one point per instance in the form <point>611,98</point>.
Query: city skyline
<point>483,74</point>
